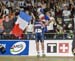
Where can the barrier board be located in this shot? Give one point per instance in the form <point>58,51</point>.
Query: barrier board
<point>28,47</point>
<point>53,48</point>
<point>15,47</point>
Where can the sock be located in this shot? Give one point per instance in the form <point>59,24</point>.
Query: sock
<point>38,52</point>
<point>42,51</point>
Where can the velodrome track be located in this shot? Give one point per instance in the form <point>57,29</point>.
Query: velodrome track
<point>24,58</point>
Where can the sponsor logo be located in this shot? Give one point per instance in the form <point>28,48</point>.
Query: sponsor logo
<point>63,47</point>
<point>51,48</point>
<point>2,48</point>
<point>18,47</point>
<point>4,45</point>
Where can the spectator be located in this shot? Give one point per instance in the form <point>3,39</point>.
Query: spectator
<point>29,31</point>
<point>50,28</point>
<point>8,24</point>
<point>5,10</point>
<point>59,29</point>
<point>1,26</point>
<point>63,11</point>
<point>52,4</point>
<point>10,4</point>
<point>72,9</point>
<point>43,4</point>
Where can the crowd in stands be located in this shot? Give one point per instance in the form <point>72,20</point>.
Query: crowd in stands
<point>60,13</point>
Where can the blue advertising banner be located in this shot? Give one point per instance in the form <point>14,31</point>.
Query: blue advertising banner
<point>15,47</point>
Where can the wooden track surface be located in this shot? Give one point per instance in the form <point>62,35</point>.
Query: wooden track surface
<point>22,58</point>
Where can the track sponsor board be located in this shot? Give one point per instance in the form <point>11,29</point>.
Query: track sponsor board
<point>63,47</point>
<point>28,47</point>
<point>53,48</point>
<point>15,47</point>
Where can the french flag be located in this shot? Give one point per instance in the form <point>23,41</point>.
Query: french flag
<point>21,23</point>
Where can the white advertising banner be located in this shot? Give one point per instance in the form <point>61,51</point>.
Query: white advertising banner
<point>53,48</point>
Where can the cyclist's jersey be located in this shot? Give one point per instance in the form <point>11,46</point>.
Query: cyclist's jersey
<point>38,27</point>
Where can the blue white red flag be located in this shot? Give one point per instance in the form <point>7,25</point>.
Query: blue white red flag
<point>21,23</point>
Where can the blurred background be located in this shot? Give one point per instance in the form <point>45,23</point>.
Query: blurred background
<point>60,12</point>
